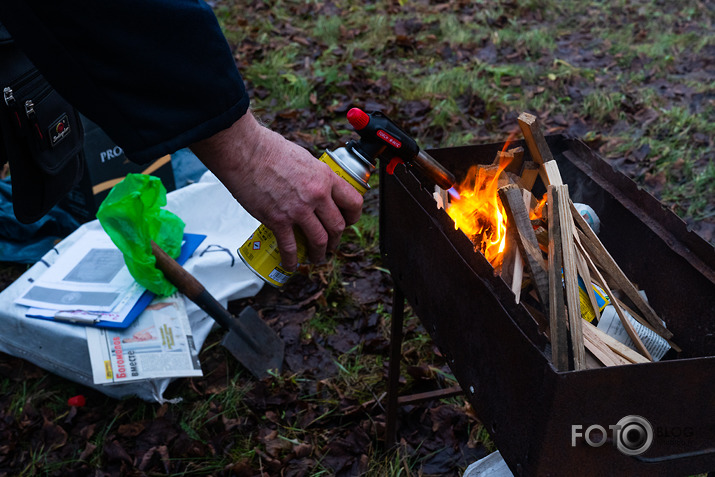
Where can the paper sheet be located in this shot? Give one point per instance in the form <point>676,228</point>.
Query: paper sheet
<point>159,344</point>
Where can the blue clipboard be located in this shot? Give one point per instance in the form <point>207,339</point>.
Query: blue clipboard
<point>188,247</point>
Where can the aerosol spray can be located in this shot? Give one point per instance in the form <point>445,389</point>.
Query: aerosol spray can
<point>260,252</point>
<point>353,162</point>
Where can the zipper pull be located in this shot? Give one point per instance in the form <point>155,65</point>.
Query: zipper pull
<point>8,96</point>
<point>32,116</point>
<point>10,101</point>
<point>30,110</point>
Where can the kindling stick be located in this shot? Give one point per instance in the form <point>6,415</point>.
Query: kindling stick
<point>529,173</point>
<point>616,346</point>
<point>550,173</point>
<point>609,265</point>
<point>518,216</point>
<point>518,153</point>
<point>517,276</point>
<point>570,275</point>
<point>535,140</point>
<point>557,308</point>
<point>600,350</point>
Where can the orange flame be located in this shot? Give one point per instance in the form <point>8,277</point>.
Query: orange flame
<point>479,213</point>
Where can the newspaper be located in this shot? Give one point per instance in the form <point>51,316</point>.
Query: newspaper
<point>611,324</point>
<point>89,282</point>
<point>159,344</point>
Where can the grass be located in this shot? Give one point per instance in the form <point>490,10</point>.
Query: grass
<point>476,65</point>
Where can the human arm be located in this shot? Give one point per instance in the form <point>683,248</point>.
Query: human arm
<point>282,185</point>
<point>157,76</point>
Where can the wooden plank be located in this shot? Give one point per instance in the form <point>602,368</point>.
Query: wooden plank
<point>616,346</point>
<point>535,140</point>
<point>614,272</point>
<point>600,350</point>
<point>529,173</point>
<point>508,161</point>
<point>591,362</point>
<point>517,272</point>
<point>557,306</point>
<point>518,153</point>
<point>550,173</point>
<point>520,226</point>
<point>542,236</point>
<point>570,276</point>
<point>506,270</point>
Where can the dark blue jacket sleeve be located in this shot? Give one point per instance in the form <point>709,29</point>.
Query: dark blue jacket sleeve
<point>156,75</point>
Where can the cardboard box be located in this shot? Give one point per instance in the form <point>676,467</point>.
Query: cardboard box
<point>106,165</point>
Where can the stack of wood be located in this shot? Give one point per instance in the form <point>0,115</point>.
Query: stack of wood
<point>548,255</point>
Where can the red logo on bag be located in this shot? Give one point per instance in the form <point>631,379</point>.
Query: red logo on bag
<point>59,130</point>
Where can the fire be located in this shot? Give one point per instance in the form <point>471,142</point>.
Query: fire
<point>479,212</point>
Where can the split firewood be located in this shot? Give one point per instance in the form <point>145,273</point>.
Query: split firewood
<point>520,228</point>
<point>488,173</point>
<point>600,349</point>
<point>542,236</point>
<point>529,173</point>
<point>611,352</point>
<point>518,153</point>
<point>591,361</point>
<point>508,161</point>
<point>570,275</point>
<point>616,346</point>
<point>501,157</point>
<point>550,173</point>
<point>535,140</point>
<point>557,307</point>
<point>596,249</point>
<point>511,250</point>
<point>441,196</point>
<point>517,274</point>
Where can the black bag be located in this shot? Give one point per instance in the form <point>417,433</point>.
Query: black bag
<point>41,135</point>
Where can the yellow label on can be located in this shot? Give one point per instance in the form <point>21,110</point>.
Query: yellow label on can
<point>260,252</point>
<point>587,311</point>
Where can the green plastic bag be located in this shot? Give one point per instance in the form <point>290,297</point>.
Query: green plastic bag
<point>132,216</point>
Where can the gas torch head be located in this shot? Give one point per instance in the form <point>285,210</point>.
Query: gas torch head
<point>377,130</point>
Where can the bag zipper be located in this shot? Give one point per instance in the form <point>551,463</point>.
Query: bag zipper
<point>8,91</point>
<point>11,102</point>
<point>32,114</point>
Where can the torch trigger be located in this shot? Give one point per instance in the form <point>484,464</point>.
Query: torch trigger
<point>394,162</point>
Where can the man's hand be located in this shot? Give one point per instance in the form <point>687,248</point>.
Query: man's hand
<point>282,185</point>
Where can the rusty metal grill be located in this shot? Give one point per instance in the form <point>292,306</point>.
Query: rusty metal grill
<point>501,359</point>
